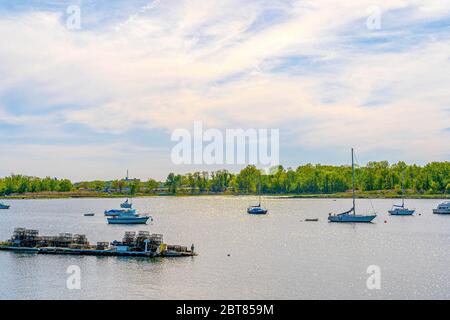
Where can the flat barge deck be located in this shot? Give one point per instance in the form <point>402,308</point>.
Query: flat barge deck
<point>93,252</point>
<point>142,244</point>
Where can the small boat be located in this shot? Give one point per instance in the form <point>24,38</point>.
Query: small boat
<point>89,214</point>
<point>4,206</point>
<point>128,219</point>
<point>401,210</point>
<point>443,208</point>
<point>350,215</point>
<point>257,209</point>
<point>117,212</point>
<point>312,220</point>
<point>126,204</point>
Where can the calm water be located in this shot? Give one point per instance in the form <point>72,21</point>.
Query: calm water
<point>277,256</point>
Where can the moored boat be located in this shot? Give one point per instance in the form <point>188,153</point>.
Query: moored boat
<point>443,208</point>
<point>4,206</point>
<point>401,210</point>
<point>117,212</point>
<point>126,204</point>
<point>350,215</point>
<point>257,209</point>
<point>128,219</point>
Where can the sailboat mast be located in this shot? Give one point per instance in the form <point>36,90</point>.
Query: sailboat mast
<point>403,189</point>
<point>259,190</point>
<point>353,182</point>
<point>131,195</point>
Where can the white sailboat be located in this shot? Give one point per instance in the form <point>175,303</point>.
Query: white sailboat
<point>257,209</point>
<point>350,215</point>
<point>401,210</point>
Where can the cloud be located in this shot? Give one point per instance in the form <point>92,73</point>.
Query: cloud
<point>311,68</point>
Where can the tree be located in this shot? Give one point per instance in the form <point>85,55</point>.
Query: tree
<point>135,187</point>
<point>151,185</point>
<point>120,185</point>
<point>173,182</point>
<point>65,185</point>
<point>247,179</point>
<point>432,178</point>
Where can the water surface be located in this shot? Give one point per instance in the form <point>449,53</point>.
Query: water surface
<point>277,256</point>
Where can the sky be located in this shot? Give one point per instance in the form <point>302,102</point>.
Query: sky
<point>91,102</point>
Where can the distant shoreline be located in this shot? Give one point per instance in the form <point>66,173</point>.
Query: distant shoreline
<point>343,195</point>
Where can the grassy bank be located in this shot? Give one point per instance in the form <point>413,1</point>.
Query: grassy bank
<point>368,195</point>
<point>388,194</point>
<point>62,195</point>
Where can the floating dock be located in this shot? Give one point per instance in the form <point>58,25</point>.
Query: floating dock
<point>142,244</point>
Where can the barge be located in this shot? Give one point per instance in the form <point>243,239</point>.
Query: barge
<point>141,244</point>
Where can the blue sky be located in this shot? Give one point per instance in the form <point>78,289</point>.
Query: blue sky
<point>90,103</point>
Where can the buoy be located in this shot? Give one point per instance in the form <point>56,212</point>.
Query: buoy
<point>385,221</point>
<point>228,255</point>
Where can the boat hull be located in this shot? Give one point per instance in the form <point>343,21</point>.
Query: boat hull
<point>256,212</point>
<point>112,213</point>
<point>351,218</point>
<point>171,253</point>
<point>405,212</point>
<point>438,211</point>
<point>92,252</point>
<point>131,220</point>
<point>443,208</point>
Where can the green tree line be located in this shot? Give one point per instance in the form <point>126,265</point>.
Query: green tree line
<point>119,186</point>
<point>433,178</point>
<point>22,184</point>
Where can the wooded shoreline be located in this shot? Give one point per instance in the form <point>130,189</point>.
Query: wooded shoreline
<point>341,195</point>
<point>374,180</point>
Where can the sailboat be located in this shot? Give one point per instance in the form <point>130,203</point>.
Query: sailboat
<point>350,215</point>
<point>401,210</point>
<point>257,209</point>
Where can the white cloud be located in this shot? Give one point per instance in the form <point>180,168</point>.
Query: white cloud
<point>172,63</point>
<point>81,162</point>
